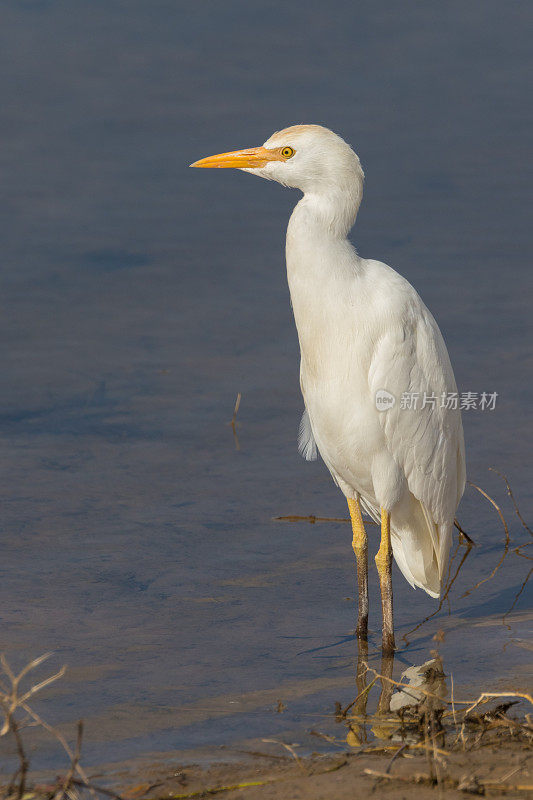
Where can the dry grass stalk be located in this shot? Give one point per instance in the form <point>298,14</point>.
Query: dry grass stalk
<point>507,540</point>
<point>511,495</point>
<point>464,534</point>
<point>17,713</point>
<point>290,749</point>
<point>233,422</point>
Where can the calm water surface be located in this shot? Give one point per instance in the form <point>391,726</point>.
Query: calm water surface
<point>138,298</point>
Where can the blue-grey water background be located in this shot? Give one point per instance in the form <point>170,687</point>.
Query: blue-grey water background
<point>139,297</point>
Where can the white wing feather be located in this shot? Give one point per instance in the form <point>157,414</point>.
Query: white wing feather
<point>427,442</point>
<point>306,441</point>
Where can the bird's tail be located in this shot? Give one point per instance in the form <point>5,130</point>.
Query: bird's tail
<point>421,549</point>
<point>419,545</point>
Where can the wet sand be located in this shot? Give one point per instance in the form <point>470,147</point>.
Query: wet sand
<point>490,771</point>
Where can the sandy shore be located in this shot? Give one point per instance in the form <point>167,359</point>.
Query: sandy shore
<point>489,771</point>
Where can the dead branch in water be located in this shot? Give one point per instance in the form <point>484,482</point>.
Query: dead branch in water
<point>233,422</point>
<point>511,495</point>
<point>464,533</point>
<point>517,597</point>
<point>506,545</point>
<point>312,519</point>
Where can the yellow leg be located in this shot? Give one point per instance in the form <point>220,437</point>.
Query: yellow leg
<point>384,565</point>
<point>360,548</point>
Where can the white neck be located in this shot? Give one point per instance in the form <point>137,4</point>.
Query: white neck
<point>330,213</point>
<point>321,262</point>
<point>317,230</point>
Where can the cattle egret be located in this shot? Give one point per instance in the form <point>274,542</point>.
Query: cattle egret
<point>379,391</point>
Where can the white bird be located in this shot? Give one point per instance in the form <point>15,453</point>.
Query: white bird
<point>369,349</point>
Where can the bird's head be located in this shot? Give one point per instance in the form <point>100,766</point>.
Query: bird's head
<point>306,157</point>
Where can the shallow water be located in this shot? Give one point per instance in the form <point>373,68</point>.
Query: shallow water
<point>139,297</point>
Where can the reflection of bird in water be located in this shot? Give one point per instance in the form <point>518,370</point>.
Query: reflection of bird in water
<point>358,713</point>
<point>425,684</point>
<point>367,341</point>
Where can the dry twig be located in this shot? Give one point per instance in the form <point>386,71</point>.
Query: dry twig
<point>233,422</point>
<point>511,495</point>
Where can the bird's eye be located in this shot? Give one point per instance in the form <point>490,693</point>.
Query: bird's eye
<point>287,152</point>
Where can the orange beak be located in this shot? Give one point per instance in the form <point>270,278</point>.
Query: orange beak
<point>252,158</point>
